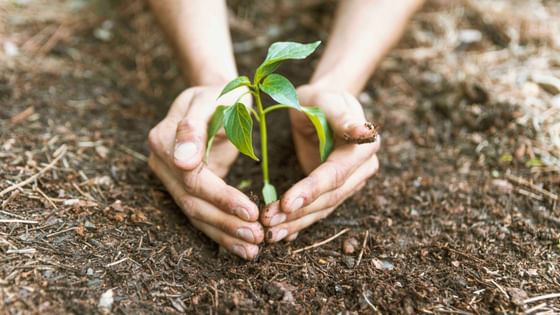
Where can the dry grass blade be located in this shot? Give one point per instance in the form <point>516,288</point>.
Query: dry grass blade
<point>61,152</point>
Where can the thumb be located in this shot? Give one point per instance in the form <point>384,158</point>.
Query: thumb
<point>190,139</point>
<point>190,143</point>
<point>346,117</point>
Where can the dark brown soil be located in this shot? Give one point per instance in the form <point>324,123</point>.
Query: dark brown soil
<point>461,218</point>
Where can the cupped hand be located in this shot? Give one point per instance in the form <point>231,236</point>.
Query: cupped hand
<point>178,145</point>
<point>351,163</point>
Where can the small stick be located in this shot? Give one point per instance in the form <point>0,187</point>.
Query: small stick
<point>322,242</point>
<point>10,198</point>
<point>536,308</point>
<point>529,194</point>
<point>21,251</point>
<point>12,214</point>
<point>500,288</point>
<point>47,197</point>
<point>542,297</point>
<point>133,153</point>
<point>18,221</point>
<point>522,181</point>
<point>37,175</point>
<point>63,231</point>
<point>362,251</point>
<point>116,262</point>
<point>368,302</point>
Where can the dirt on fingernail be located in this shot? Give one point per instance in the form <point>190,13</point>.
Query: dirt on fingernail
<point>367,139</point>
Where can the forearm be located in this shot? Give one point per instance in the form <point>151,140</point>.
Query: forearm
<point>363,32</point>
<point>199,33</point>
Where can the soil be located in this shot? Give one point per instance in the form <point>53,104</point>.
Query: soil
<point>462,218</point>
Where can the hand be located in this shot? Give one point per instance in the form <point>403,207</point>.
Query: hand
<point>345,171</point>
<point>178,145</point>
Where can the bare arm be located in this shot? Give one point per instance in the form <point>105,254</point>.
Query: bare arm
<point>199,33</point>
<point>363,32</point>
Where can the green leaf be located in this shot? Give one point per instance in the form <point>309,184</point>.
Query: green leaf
<point>281,90</point>
<point>269,193</point>
<point>239,129</point>
<point>281,51</point>
<point>234,84</point>
<point>324,133</point>
<point>216,122</point>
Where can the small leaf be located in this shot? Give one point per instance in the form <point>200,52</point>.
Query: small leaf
<point>234,84</point>
<point>281,90</point>
<point>239,129</point>
<point>269,193</point>
<point>290,50</point>
<point>281,51</point>
<point>216,122</point>
<point>534,163</point>
<point>324,133</point>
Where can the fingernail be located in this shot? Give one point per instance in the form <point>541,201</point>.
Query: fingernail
<point>280,235</point>
<point>239,251</point>
<point>242,213</point>
<point>277,219</point>
<point>296,204</point>
<point>246,234</point>
<point>185,151</point>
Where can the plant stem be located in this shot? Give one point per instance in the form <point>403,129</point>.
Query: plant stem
<point>264,147</point>
<point>275,107</point>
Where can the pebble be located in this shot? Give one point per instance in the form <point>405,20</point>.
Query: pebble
<point>350,245</point>
<point>106,300</point>
<point>349,261</point>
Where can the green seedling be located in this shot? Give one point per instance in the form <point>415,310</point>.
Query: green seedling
<point>237,119</point>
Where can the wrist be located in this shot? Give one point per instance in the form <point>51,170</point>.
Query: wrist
<point>336,83</point>
<point>209,77</point>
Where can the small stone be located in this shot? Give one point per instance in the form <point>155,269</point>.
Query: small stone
<point>10,49</point>
<point>469,36</point>
<point>349,261</point>
<point>279,290</point>
<point>90,272</point>
<point>517,295</point>
<point>502,185</point>
<point>89,225</point>
<point>377,263</point>
<point>532,272</point>
<point>102,151</point>
<point>382,264</point>
<point>349,245</point>
<point>106,300</point>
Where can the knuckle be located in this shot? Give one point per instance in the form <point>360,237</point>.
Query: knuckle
<point>188,206</point>
<point>191,180</point>
<point>153,138</point>
<point>337,174</point>
<point>334,199</point>
<point>225,201</point>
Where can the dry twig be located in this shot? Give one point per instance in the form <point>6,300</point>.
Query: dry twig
<point>362,251</point>
<point>322,242</point>
<point>62,152</point>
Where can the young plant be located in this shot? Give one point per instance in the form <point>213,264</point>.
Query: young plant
<point>236,118</point>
